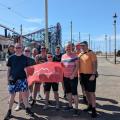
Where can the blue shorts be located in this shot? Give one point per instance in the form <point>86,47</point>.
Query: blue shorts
<point>20,85</point>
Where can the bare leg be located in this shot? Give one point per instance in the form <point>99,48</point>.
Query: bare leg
<point>56,96</point>
<point>75,97</point>
<point>11,100</point>
<point>25,98</point>
<point>69,97</point>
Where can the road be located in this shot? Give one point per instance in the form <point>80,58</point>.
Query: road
<point>108,97</point>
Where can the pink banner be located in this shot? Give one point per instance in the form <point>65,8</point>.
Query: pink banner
<point>45,72</point>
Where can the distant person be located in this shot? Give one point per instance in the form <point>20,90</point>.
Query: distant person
<point>10,51</point>
<point>58,54</point>
<point>88,70</point>
<point>17,79</point>
<point>34,52</point>
<point>57,58</point>
<point>70,70</point>
<point>77,48</point>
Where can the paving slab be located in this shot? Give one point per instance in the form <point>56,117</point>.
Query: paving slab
<point>108,97</point>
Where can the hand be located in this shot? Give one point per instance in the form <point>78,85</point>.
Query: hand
<point>92,77</point>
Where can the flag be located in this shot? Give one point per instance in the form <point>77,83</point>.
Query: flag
<point>45,72</point>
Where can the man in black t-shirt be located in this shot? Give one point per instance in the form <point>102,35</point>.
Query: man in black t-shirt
<point>58,55</point>
<point>57,58</point>
<point>17,79</point>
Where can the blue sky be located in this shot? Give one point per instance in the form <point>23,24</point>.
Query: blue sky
<point>92,17</point>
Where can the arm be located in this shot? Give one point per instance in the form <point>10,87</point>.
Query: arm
<point>8,74</point>
<point>94,64</point>
<point>75,70</point>
<point>37,59</point>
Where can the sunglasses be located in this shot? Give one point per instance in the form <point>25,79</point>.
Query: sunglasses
<point>27,50</point>
<point>49,57</point>
<point>18,47</point>
<point>43,48</point>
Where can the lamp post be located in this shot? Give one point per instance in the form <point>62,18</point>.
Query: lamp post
<point>115,17</point>
<point>109,45</point>
<point>21,29</point>
<point>106,46</point>
<point>71,30</point>
<point>46,24</point>
<point>89,40</point>
<point>79,37</point>
<point>91,44</point>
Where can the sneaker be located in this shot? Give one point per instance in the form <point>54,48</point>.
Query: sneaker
<point>89,108</point>
<point>68,108</point>
<point>94,113</point>
<point>18,107</point>
<point>30,98</point>
<point>40,97</point>
<point>29,112</point>
<point>65,97</point>
<point>57,107</point>
<point>75,114</point>
<point>33,102</point>
<point>8,115</point>
<point>45,107</point>
<point>49,102</point>
<point>85,100</point>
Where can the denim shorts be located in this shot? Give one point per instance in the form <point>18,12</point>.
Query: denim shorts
<point>20,85</point>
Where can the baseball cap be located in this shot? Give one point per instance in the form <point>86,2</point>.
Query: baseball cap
<point>84,43</point>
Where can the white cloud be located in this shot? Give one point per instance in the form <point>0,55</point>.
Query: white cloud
<point>34,20</point>
<point>102,37</point>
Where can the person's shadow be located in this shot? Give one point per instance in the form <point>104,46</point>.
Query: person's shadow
<point>107,111</point>
<point>107,99</point>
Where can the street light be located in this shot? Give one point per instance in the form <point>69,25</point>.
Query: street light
<point>109,45</point>
<point>89,40</point>
<point>71,30</point>
<point>115,17</point>
<point>79,37</point>
<point>106,45</point>
<point>46,24</point>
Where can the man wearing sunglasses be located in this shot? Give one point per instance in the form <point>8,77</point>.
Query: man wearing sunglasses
<point>17,79</point>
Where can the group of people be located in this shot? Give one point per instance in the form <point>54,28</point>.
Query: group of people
<point>79,64</point>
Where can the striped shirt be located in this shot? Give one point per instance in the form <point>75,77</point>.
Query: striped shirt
<point>69,63</point>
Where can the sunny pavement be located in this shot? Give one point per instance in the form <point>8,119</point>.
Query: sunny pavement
<point>108,97</point>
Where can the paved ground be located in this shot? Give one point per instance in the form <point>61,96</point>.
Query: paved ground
<point>108,98</point>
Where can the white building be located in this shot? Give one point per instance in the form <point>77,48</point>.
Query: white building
<point>4,42</point>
